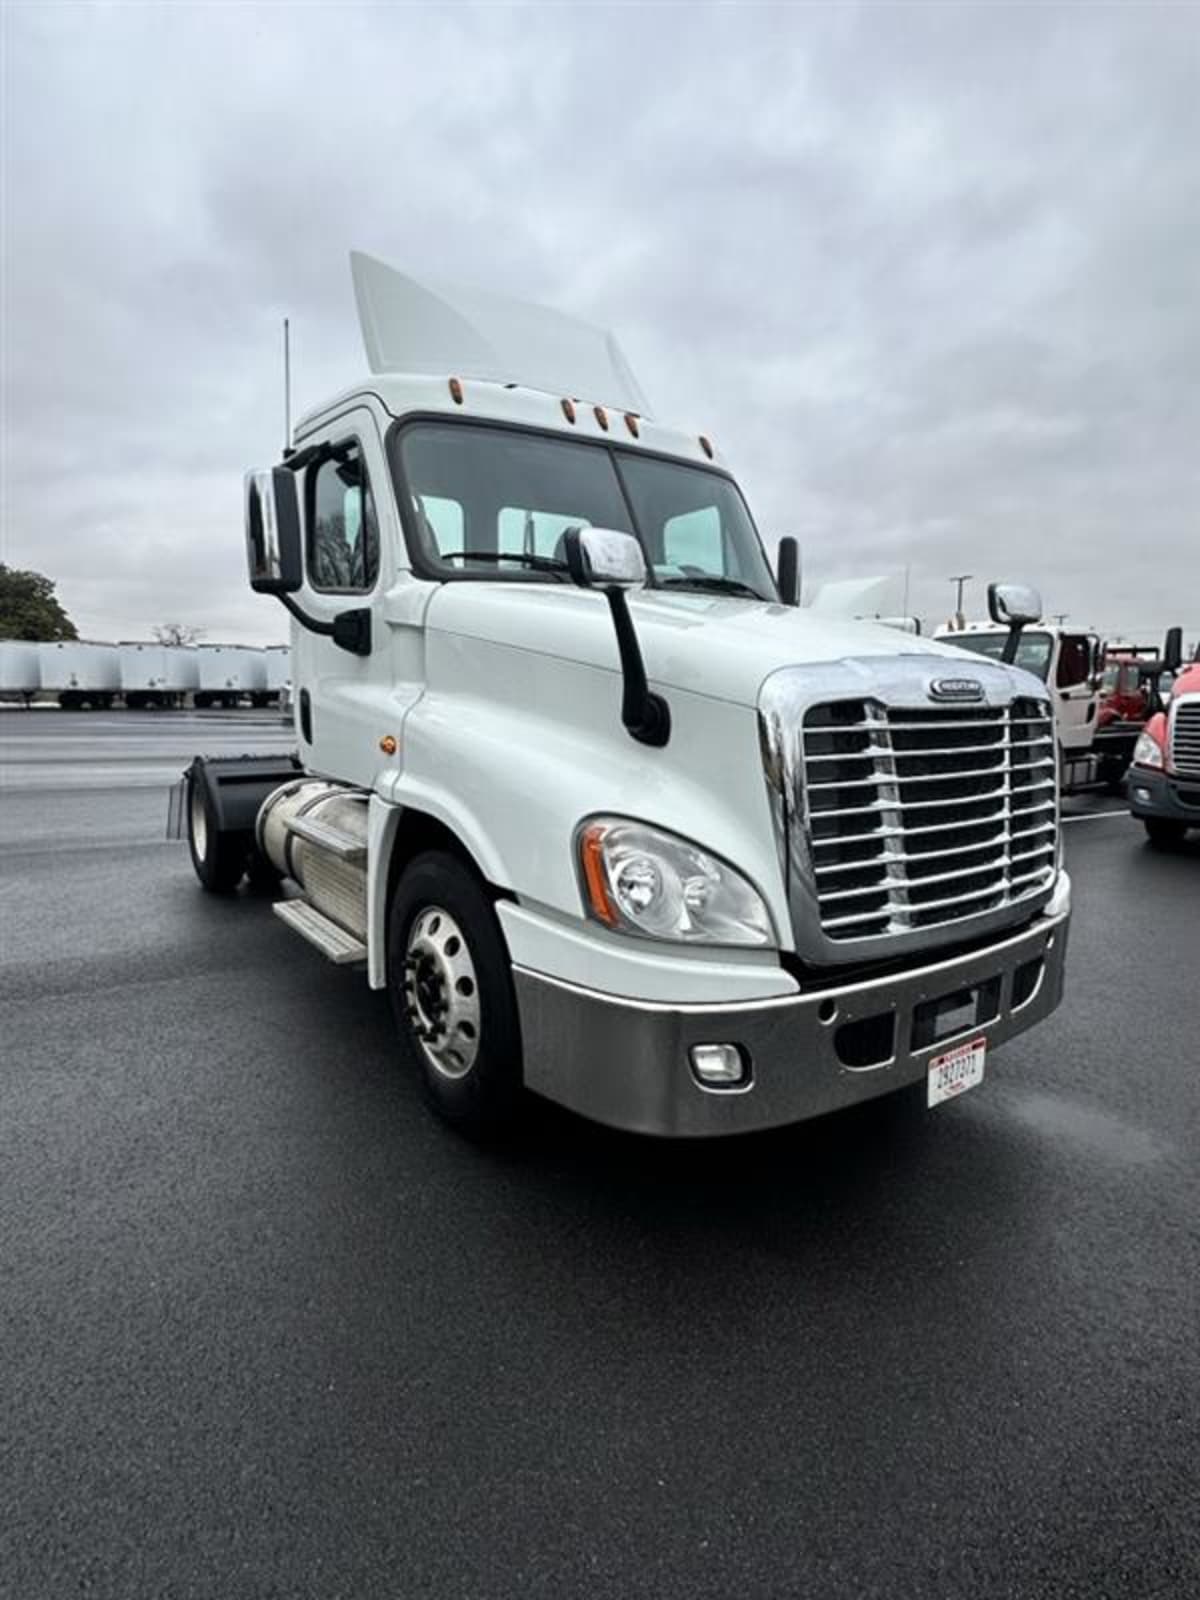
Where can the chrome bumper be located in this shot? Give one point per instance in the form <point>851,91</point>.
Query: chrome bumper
<point>626,1063</point>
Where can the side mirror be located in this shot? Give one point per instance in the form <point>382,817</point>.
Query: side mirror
<point>1014,604</point>
<point>789,571</point>
<point>273,543</point>
<point>1172,656</point>
<point>603,558</point>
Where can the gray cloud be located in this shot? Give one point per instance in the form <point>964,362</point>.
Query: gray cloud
<point>928,273</point>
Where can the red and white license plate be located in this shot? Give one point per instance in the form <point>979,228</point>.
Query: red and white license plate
<point>956,1070</point>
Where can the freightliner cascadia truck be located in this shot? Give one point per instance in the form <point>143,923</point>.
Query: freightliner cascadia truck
<point>613,820</point>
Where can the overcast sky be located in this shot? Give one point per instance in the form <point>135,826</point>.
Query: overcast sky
<point>931,275</point>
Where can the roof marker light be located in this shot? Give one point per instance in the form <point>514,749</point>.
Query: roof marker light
<point>706,445</point>
<point>456,392</point>
<point>568,409</point>
<point>631,422</point>
<point>601,417</point>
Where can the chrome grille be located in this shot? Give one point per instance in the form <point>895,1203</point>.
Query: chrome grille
<point>1185,738</point>
<point>924,817</point>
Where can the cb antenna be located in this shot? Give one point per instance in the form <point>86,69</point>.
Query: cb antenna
<point>287,388</point>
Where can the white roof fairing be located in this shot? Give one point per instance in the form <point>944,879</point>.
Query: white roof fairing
<point>409,327</point>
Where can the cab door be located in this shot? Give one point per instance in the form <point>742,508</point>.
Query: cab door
<point>1076,695</point>
<point>341,696</point>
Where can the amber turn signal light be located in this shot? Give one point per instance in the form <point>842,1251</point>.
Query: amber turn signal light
<point>591,855</point>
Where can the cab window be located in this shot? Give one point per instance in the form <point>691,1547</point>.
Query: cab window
<point>343,531</point>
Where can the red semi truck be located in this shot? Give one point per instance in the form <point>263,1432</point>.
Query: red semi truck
<point>1164,781</point>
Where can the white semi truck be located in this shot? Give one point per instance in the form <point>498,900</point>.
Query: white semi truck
<point>609,816</point>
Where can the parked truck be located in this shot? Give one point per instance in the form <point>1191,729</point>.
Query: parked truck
<point>1070,663</point>
<point>610,818</point>
<point>1164,781</point>
<point>1100,708</point>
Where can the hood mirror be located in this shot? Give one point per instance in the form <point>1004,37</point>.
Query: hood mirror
<point>602,558</point>
<point>1014,604</point>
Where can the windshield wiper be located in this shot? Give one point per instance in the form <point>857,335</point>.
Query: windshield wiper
<point>521,557</point>
<point>712,584</point>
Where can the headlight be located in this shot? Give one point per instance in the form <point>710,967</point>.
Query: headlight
<point>1147,752</point>
<point>641,880</point>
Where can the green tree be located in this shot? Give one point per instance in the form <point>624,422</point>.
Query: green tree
<point>29,608</point>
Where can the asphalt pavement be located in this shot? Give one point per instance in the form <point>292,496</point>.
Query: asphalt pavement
<point>268,1329</point>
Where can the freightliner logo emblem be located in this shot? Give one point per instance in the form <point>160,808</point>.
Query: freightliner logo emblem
<point>955,689</point>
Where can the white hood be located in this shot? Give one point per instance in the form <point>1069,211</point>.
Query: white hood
<point>717,646</point>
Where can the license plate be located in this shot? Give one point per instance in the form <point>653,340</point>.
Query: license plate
<point>959,1069</point>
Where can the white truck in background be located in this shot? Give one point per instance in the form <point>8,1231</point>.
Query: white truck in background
<point>1071,663</point>
<point>610,818</point>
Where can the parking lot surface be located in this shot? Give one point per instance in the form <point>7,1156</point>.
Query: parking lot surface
<point>266,1328</point>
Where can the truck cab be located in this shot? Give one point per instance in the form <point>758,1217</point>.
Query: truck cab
<point>579,784</point>
<point>1164,781</point>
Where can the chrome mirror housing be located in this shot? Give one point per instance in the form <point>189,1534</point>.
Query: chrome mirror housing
<point>604,558</point>
<point>1012,604</point>
<point>273,544</point>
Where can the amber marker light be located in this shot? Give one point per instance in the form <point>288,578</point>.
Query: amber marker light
<point>601,416</point>
<point>706,446</point>
<point>591,855</point>
<point>631,422</point>
<point>456,391</point>
<point>388,744</point>
<point>568,409</point>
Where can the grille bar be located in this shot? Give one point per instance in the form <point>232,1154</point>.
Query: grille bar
<point>918,819</point>
<point>1185,738</point>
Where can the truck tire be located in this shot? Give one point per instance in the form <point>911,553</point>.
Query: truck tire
<point>219,858</point>
<point>452,994</point>
<point>1163,833</point>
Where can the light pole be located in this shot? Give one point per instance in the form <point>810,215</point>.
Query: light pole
<point>960,579</point>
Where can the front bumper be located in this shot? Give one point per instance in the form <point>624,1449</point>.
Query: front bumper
<point>626,1062</point>
<point>1160,794</point>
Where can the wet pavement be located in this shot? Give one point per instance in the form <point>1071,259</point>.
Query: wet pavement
<point>266,1328</point>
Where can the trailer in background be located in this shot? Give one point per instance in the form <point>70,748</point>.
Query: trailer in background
<point>183,672</point>
<point>277,664</point>
<point>226,672</point>
<point>80,673</point>
<point>144,675</point>
<point>20,675</point>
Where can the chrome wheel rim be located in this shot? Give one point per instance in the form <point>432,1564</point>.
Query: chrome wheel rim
<point>199,822</point>
<point>441,993</point>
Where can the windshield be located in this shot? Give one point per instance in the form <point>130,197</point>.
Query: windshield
<point>495,502</point>
<point>1033,652</point>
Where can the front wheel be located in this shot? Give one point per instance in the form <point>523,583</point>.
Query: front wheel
<point>1163,833</point>
<point>452,994</point>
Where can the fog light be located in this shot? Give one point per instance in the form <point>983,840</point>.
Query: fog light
<point>719,1066</point>
<point>1142,796</point>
